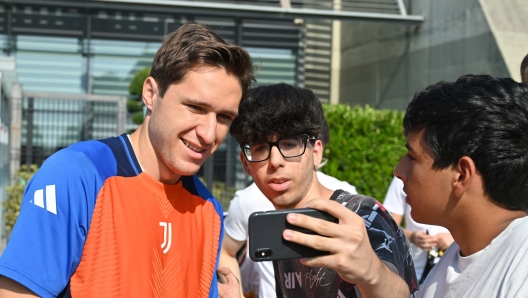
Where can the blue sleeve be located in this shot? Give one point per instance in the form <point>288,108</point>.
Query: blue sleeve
<point>47,241</point>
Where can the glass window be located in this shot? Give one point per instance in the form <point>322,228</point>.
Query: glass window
<point>113,64</point>
<point>50,64</point>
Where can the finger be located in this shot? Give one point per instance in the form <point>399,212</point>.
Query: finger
<point>328,261</point>
<point>334,208</point>
<point>221,278</point>
<point>320,226</point>
<point>314,241</point>
<point>229,276</point>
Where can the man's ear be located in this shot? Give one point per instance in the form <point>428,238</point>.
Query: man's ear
<point>465,175</point>
<point>150,92</point>
<point>317,153</point>
<point>244,163</point>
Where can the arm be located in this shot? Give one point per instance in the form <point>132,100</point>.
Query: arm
<point>11,289</point>
<point>58,200</point>
<point>351,254</point>
<point>228,259</point>
<point>419,238</point>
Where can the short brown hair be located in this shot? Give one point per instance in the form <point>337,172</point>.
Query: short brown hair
<point>193,45</point>
<point>524,69</point>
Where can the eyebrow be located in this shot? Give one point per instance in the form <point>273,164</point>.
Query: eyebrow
<point>409,147</point>
<point>206,104</point>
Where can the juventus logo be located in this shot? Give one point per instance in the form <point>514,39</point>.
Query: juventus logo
<point>167,236</point>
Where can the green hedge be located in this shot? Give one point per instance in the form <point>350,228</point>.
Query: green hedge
<point>365,146</point>
<point>15,193</point>
<point>134,102</point>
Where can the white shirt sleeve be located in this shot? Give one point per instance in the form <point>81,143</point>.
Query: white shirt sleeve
<point>234,224</point>
<point>245,202</point>
<point>335,184</point>
<point>395,198</point>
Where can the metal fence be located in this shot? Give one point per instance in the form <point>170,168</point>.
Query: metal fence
<point>52,121</point>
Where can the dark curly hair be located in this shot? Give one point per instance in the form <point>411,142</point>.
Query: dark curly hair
<point>484,118</point>
<point>279,109</point>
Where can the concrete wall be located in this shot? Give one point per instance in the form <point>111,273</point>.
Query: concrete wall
<point>383,65</point>
<point>508,21</point>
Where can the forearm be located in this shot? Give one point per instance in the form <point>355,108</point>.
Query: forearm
<point>11,289</point>
<point>384,283</point>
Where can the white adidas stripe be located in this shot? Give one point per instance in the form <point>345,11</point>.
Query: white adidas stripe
<point>51,200</point>
<point>51,203</point>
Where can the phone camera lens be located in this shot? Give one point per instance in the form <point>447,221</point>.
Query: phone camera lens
<point>264,253</point>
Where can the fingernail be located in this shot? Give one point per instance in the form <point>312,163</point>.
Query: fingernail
<point>288,234</point>
<point>292,217</point>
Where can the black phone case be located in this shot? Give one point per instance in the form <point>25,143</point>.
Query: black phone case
<point>265,235</point>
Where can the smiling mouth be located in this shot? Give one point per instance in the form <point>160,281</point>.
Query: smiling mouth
<point>198,150</point>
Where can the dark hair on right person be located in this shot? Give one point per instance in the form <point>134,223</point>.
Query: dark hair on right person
<point>524,69</point>
<point>279,109</point>
<point>484,118</point>
<point>194,45</point>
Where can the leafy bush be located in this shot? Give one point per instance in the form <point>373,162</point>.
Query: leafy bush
<point>134,104</point>
<point>15,193</point>
<point>365,146</point>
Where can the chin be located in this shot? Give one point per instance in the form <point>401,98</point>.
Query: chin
<point>185,170</point>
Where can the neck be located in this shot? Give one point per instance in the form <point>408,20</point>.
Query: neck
<point>477,228</point>
<point>147,157</point>
<point>316,191</point>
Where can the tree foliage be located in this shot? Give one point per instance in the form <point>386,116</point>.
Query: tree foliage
<point>15,193</point>
<point>134,104</point>
<point>365,146</point>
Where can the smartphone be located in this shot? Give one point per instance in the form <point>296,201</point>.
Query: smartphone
<point>265,235</point>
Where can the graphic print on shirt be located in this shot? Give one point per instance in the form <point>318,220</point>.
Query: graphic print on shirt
<point>51,201</point>
<point>385,239</point>
<point>165,271</point>
<point>167,236</point>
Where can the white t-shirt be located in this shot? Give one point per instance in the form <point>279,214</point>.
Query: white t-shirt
<point>395,203</point>
<point>499,270</point>
<point>258,276</point>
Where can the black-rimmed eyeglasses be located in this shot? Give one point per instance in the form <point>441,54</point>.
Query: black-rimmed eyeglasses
<point>288,147</point>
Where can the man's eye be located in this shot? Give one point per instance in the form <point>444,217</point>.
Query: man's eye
<point>410,157</point>
<point>258,147</point>
<point>289,144</point>
<point>195,108</point>
<point>225,117</point>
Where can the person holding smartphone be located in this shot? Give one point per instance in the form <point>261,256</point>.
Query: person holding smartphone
<point>369,255</point>
<point>257,278</point>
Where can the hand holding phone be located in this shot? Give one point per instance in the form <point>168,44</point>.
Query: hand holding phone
<point>265,235</point>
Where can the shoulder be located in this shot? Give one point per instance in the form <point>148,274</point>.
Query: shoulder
<point>334,184</point>
<point>354,202</point>
<point>251,199</point>
<point>84,159</point>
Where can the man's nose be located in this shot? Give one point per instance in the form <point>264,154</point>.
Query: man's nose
<point>206,129</point>
<point>399,170</point>
<point>276,159</point>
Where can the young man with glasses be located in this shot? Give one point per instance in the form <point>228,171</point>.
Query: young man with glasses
<point>257,278</point>
<point>369,255</point>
